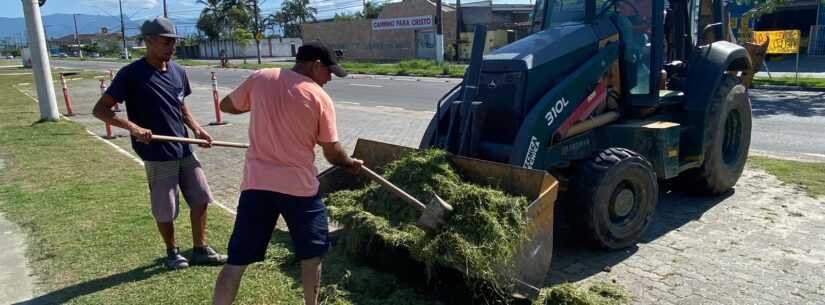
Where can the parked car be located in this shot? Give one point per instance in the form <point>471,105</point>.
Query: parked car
<point>9,56</point>
<point>94,54</point>
<point>63,55</point>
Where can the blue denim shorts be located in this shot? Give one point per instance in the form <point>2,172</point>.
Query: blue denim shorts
<point>258,212</point>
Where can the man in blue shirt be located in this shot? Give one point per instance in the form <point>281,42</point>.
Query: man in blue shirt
<point>153,89</point>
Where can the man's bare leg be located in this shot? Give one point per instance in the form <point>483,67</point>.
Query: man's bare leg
<point>197,216</point>
<point>167,231</point>
<point>311,279</point>
<point>226,287</point>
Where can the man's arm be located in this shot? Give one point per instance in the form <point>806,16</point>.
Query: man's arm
<point>103,111</point>
<point>335,155</point>
<point>196,128</point>
<point>228,107</point>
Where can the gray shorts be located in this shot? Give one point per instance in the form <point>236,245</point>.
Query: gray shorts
<point>164,177</point>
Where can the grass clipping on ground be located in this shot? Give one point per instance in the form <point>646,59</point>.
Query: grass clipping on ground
<point>481,235</point>
<point>599,293</point>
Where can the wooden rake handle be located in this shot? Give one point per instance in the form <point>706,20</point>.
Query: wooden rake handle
<point>394,189</point>
<point>198,141</point>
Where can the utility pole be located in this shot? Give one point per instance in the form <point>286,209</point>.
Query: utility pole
<point>77,36</point>
<point>165,11</point>
<point>458,28</point>
<point>123,31</point>
<point>257,30</point>
<point>40,61</point>
<point>439,35</point>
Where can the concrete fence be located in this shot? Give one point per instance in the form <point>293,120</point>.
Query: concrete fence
<point>273,47</point>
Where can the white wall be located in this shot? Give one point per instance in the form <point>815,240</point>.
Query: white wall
<point>273,47</point>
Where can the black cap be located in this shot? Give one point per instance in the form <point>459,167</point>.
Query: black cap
<point>158,26</point>
<point>317,51</point>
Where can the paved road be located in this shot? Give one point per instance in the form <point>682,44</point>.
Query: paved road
<point>786,124</point>
<point>400,92</point>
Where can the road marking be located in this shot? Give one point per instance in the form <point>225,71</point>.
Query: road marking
<point>11,74</point>
<point>367,85</point>
<point>349,103</point>
<point>19,66</point>
<point>122,151</point>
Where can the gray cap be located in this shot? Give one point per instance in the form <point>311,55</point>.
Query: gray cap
<point>158,26</point>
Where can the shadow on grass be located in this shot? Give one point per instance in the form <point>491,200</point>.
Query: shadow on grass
<point>68,293</point>
<point>573,261</point>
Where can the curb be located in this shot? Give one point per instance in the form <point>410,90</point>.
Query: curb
<point>788,88</point>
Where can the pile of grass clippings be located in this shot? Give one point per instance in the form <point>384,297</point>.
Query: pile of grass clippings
<point>482,234</point>
<point>599,293</point>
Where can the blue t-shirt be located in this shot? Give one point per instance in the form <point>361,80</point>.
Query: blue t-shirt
<point>153,101</point>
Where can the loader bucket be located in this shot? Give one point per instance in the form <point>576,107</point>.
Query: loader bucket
<point>533,262</point>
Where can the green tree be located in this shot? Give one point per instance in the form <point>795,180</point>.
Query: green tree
<point>371,10</point>
<point>762,7</point>
<point>211,18</point>
<point>280,20</point>
<point>297,12</point>
<point>345,17</point>
<point>242,38</point>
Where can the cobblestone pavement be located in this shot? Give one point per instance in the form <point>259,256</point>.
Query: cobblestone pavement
<point>761,244</point>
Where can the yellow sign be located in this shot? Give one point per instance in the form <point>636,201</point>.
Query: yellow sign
<point>781,42</point>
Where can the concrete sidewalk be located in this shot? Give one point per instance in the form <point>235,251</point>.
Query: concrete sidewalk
<point>15,280</point>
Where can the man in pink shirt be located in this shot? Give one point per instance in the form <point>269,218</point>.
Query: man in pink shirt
<point>289,114</point>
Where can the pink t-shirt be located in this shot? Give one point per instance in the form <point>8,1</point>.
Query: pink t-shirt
<point>289,115</point>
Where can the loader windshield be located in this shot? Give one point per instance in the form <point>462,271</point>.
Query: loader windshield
<point>550,13</point>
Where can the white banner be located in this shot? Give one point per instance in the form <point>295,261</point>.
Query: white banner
<point>402,23</point>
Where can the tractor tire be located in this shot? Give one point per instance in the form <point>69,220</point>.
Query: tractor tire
<point>615,197</point>
<point>727,141</point>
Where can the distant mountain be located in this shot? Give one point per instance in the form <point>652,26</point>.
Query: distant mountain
<point>59,25</point>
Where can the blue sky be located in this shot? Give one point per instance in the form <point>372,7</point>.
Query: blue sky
<point>141,9</point>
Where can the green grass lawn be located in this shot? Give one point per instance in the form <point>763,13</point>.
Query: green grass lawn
<point>408,67</point>
<point>809,82</point>
<point>192,62</point>
<point>809,175</point>
<point>404,68</point>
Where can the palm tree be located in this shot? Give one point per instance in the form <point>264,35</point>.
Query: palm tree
<point>211,18</point>
<point>281,19</point>
<point>299,11</point>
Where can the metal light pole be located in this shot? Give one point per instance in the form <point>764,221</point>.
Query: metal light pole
<point>439,35</point>
<point>458,28</point>
<point>165,11</point>
<point>77,36</point>
<point>257,30</point>
<point>123,31</point>
<point>40,61</point>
